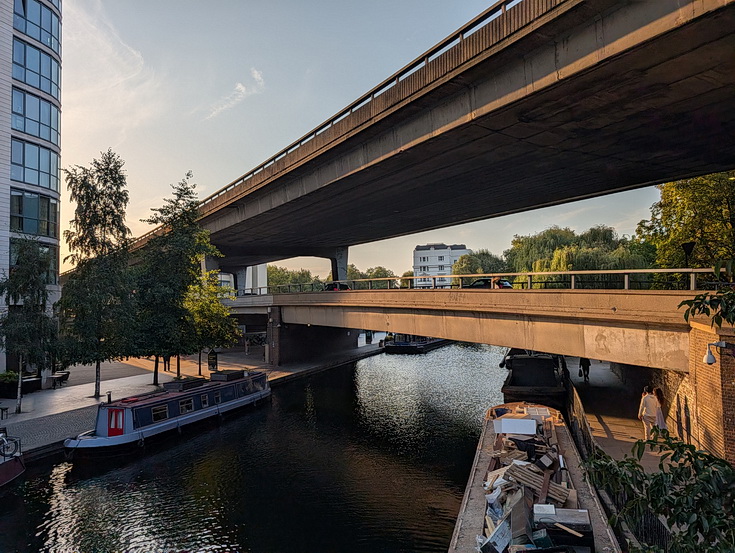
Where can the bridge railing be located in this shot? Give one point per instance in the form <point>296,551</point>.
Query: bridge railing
<point>625,279</point>
<point>499,21</point>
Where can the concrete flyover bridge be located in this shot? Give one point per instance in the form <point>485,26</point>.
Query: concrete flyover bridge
<point>533,103</point>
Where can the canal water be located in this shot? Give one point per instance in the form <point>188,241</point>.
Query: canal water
<point>370,457</point>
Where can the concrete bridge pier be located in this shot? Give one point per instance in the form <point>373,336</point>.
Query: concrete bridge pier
<point>339,263</point>
<point>292,343</point>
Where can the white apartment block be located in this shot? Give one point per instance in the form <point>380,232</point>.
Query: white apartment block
<point>436,260</point>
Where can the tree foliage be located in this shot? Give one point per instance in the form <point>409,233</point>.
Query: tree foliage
<point>26,328</point>
<point>171,264</point>
<point>280,276</point>
<point>693,491</point>
<point>213,326</point>
<point>97,304</point>
<point>101,198</point>
<point>700,210</point>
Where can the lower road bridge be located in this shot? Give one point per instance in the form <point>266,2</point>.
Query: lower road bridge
<point>642,331</point>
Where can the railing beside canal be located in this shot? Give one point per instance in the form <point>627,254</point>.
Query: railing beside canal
<point>648,527</point>
<point>626,279</point>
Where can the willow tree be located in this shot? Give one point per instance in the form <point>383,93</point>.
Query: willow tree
<point>96,306</point>
<point>27,330</point>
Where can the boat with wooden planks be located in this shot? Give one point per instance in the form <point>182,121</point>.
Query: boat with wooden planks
<point>527,489</point>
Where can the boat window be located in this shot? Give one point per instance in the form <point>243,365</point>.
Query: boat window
<point>205,400</point>
<point>217,397</point>
<point>186,405</point>
<point>159,413</point>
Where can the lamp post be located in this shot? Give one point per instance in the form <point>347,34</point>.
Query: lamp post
<point>688,247</point>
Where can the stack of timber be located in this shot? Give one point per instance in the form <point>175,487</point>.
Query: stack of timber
<point>527,490</point>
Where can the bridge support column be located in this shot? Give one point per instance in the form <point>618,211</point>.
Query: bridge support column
<point>339,263</point>
<point>295,343</point>
<point>251,277</point>
<point>712,391</point>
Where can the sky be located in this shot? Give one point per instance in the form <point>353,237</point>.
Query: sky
<point>218,86</point>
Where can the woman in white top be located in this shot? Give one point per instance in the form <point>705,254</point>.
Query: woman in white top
<point>660,418</point>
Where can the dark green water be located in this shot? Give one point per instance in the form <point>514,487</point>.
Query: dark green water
<point>372,457</point>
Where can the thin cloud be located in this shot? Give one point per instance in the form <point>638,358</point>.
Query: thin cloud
<point>241,92</point>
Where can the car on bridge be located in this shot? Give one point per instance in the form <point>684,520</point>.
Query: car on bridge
<point>488,282</point>
<point>335,286</point>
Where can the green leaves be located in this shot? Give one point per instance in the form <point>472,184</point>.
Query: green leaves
<point>693,492</point>
<point>719,306</point>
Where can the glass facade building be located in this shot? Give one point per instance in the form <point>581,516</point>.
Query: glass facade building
<point>30,99</point>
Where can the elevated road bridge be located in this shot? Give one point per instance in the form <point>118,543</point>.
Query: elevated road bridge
<point>533,103</point>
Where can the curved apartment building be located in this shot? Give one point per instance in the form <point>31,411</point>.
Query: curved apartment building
<point>30,109</point>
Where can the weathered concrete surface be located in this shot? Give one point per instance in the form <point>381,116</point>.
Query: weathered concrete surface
<point>554,101</point>
<point>633,327</point>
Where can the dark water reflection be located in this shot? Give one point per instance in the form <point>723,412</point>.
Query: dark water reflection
<point>365,458</point>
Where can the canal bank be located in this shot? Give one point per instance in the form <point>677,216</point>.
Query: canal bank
<point>51,416</point>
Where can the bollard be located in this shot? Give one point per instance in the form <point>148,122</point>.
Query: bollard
<point>109,397</point>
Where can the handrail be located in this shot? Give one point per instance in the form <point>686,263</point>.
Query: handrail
<point>499,8</point>
<point>391,283</point>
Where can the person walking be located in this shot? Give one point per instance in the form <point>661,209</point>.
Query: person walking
<point>647,411</point>
<point>660,418</point>
<point>584,364</point>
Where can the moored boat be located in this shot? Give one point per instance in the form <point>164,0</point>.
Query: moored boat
<point>11,458</point>
<point>535,377</point>
<point>411,345</point>
<point>132,420</point>
<point>527,489</point>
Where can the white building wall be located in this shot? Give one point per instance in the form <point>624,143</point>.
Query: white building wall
<point>436,260</point>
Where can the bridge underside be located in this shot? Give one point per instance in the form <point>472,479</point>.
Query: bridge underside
<point>588,103</point>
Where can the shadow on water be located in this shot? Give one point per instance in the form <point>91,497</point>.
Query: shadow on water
<point>366,457</point>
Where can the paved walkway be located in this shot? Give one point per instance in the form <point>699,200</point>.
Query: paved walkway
<point>612,411</point>
<point>49,416</point>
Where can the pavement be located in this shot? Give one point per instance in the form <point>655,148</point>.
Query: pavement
<point>50,416</point>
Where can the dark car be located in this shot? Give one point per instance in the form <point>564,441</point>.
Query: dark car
<point>487,282</point>
<point>335,286</point>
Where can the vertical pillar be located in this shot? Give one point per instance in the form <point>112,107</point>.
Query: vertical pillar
<point>273,336</point>
<point>210,264</point>
<point>712,391</point>
<point>339,263</point>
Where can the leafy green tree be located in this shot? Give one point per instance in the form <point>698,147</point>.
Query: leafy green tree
<point>353,273</point>
<point>700,210</point>
<point>171,264</point>
<point>467,264</point>
<point>526,251</point>
<point>26,328</point>
<point>490,262</point>
<point>280,276</point>
<point>693,491</point>
<point>213,326</point>
<point>407,282</point>
<point>380,272</point>
<point>97,305</point>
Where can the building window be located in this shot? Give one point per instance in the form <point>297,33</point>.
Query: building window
<point>217,397</point>
<point>441,267</point>
<point>52,276</point>
<point>34,214</point>
<point>205,400</point>
<point>159,413</point>
<point>33,115</point>
<point>38,22</point>
<point>441,258</point>
<point>34,164</point>
<point>186,406</point>
<point>35,68</point>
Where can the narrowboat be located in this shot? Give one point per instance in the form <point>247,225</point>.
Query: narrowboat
<point>132,420</point>
<point>535,377</point>
<point>408,344</point>
<point>527,489</point>
<point>11,458</point>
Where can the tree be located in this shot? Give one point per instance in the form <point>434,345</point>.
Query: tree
<point>380,272</point>
<point>171,264</point>
<point>700,210</point>
<point>490,262</point>
<point>213,326</point>
<point>526,251</point>
<point>693,491</point>
<point>407,282</point>
<point>26,328</point>
<point>96,306</point>
<point>467,264</point>
<point>280,276</point>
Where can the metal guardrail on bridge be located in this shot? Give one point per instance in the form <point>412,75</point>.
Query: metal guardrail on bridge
<point>625,279</point>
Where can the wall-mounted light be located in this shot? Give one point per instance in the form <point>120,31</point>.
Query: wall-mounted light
<point>710,359</point>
